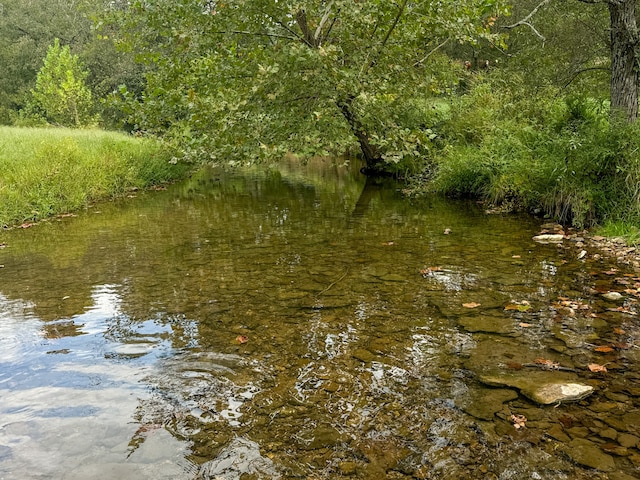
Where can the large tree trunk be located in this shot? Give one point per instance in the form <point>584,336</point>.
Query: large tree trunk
<point>372,157</point>
<point>624,65</point>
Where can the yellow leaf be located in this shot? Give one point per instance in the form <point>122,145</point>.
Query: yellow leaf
<point>471,305</point>
<point>594,367</point>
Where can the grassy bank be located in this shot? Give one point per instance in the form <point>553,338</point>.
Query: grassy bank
<point>45,172</point>
<point>540,152</point>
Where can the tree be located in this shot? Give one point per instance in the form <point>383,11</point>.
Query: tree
<point>27,28</point>
<point>61,93</point>
<point>623,50</point>
<point>254,79</point>
<point>624,58</point>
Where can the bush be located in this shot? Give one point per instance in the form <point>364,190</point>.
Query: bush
<point>540,152</point>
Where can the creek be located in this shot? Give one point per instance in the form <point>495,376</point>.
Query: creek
<point>308,323</point>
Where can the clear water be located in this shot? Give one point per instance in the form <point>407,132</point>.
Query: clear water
<point>303,324</point>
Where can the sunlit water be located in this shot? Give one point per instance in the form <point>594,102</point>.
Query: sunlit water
<point>305,325</point>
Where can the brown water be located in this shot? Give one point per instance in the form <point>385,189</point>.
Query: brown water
<point>303,324</point>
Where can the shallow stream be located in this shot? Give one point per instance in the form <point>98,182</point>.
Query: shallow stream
<point>305,323</point>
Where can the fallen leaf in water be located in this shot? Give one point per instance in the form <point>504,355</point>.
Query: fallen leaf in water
<point>471,305</point>
<point>594,367</point>
<point>525,325</point>
<point>388,244</point>
<point>519,421</point>
<point>447,231</point>
<point>518,307</point>
<point>611,271</point>
<point>429,270</point>
<point>619,331</point>
<point>514,366</point>
<point>566,421</point>
<point>603,349</point>
<point>547,363</point>
<point>242,339</point>
<point>582,254</point>
<point>622,346</point>
<point>516,256</point>
<point>26,225</point>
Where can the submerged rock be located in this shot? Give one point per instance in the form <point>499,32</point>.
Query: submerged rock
<point>588,454</point>
<point>488,324</point>
<point>559,392</point>
<point>613,296</point>
<point>486,402</point>
<point>545,388</point>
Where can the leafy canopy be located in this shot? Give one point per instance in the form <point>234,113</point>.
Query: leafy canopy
<point>240,80</point>
<point>61,94</point>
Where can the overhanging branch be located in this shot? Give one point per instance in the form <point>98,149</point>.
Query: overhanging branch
<point>525,20</point>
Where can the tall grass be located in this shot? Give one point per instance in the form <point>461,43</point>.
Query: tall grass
<point>541,152</point>
<point>45,172</point>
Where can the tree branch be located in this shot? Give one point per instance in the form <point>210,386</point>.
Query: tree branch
<point>580,72</point>
<point>431,52</point>
<point>382,45</point>
<point>256,34</point>
<point>325,17</point>
<point>525,20</point>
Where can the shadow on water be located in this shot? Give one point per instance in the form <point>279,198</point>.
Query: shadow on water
<point>309,323</point>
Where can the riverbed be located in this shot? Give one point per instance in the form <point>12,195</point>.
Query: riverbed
<point>311,323</point>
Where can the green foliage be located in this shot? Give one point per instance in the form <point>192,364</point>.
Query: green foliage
<point>61,95</point>
<point>629,232</point>
<point>46,172</point>
<point>540,152</point>
<point>248,81</point>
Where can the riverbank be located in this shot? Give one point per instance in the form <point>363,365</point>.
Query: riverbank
<point>47,172</point>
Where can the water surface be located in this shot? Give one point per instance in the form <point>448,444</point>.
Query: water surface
<point>306,324</point>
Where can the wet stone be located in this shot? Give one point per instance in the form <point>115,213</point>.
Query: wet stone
<point>628,440</point>
<point>485,403</point>
<point>363,355</point>
<point>609,433</point>
<point>616,397</point>
<point>545,388</point>
<point>500,325</point>
<point>602,407</point>
<point>615,449</point>
<point>632,422</point>
<point>557,433</point>
<point>548,238</point>
<point>621,476</point>
<point>588,454</point>
<point>579,432</point>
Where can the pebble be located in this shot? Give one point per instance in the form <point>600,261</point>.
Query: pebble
<point>613,296</point>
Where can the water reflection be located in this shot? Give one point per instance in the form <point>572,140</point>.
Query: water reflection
<point>291,325</point>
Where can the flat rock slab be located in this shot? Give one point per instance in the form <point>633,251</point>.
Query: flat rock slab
<point>486,402</point>
<point>588,454</point>
<point>548,238</point>
<point>487,324</point>
<point>545,388</point>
